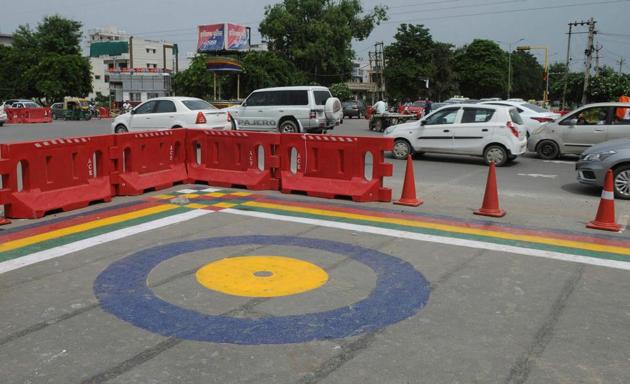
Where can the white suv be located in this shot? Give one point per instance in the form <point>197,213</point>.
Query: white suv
<point>494,132</point>
<point>289,109</point>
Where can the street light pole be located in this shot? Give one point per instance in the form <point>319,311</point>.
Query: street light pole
<point>546,68</point>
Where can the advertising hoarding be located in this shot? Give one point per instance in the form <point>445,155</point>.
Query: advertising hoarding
<point>237,37</point>
<point>211,38</point>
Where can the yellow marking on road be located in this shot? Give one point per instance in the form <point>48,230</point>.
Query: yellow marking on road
<point>449,228</point>
<point>215,194</point>
<point>196,206</point>
<point>19,243</point>
<point>224,205</point>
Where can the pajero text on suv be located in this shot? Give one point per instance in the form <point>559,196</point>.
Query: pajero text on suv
<point>290,109</point>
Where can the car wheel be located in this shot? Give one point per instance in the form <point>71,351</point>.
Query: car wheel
<point>622,182</point>
<point>496,154</point>
<point>548,150</point>
<point>402,149</point>
<point>121,129</point>
<point>288,126</point>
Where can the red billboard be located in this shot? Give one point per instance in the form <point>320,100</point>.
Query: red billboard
<point>211,38</point>
<point>237,37</point>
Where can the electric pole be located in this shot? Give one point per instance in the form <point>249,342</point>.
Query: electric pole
<point>377,66</point>
<point>598,47</point>
<point>620,62</point>
<point>589,57</point>
<point>566,74</point>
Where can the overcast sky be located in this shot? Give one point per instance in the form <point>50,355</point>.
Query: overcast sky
<point>538,22</point>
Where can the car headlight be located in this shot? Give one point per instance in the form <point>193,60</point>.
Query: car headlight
<point>389,130</point>
<point>599,156</point>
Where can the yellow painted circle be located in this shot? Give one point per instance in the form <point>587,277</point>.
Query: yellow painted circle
<point>261,276</point>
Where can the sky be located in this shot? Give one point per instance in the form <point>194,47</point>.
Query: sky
<point>537,22</point>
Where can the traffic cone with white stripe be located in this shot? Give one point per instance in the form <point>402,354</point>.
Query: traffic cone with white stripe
<point>605,218</point>
<point>408,196</point>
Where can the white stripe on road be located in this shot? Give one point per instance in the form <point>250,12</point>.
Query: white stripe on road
<point>62,250</point>
<point>559,162</point>
<point>437,239</point>
<point>535,175</point>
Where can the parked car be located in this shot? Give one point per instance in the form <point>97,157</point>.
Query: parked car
<point>533,116</point>
<point>352,108</point>
<point>598,159</point>
<point>3,116</point>
<point>9,103</point>
<point>586,126</point>
<point>172,112</point>
<point>493,132</point>
<point>25,104</point>
<point>57,111</point>
<point>415,108</point>
<point>290,109</point>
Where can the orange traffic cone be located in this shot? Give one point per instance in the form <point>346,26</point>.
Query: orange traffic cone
<point>408,196</point>
<point>490,206</point>
<point>605,218</point>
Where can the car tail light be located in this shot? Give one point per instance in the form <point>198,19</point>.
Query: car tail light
<point>542,119</point>
<point>512,128</point>
<point>201,119</point>
<point>229,117</point>
<point>313,114</point>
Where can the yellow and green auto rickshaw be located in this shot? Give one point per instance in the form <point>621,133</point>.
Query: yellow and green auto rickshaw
<point>75,108</point>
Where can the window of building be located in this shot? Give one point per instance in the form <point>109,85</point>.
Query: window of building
<point>106,78</point>
<point>97,77</point>
<point>134,96</point>
<point>151,95</point>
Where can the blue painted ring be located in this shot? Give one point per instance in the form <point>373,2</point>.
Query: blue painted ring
<point>400,292</point>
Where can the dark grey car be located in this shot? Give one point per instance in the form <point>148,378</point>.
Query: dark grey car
<point>598,159</point>
<point>353,108</point>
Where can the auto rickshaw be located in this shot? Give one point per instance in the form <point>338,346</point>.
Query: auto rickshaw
<point>75,108</point>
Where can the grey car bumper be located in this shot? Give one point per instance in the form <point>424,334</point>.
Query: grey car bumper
<point>591,172</point>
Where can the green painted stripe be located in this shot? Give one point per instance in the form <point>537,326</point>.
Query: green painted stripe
<point>86,234</point>
<point>436,232</point>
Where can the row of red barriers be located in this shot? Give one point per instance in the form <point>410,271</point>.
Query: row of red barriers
<point>28,115</point>
<point>65,174</point>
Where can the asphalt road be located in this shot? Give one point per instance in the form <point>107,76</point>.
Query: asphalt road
<point>195,285</point>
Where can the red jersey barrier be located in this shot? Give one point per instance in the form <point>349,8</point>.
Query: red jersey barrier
<point>330,166</point>
<point>233,158</point>
<point>60,174</point>
<point>28,115</point>
<point>148,161</point>
<point>5,192</point>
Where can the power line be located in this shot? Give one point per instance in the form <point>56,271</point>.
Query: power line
<point>484,4</point>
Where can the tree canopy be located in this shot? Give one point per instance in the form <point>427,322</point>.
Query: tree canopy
<point>482,69</point>
<point>45,62</point>
<point>316,35</point>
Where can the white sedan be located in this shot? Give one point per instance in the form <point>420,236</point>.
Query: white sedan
<point>533,115</point>
<point>173,112</point>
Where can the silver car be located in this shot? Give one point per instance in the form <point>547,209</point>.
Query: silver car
<point>598,159</point>
<point>589,125</point>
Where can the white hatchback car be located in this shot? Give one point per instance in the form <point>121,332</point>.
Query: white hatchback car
<point>495,133</point>
<point>533,116</point>
<point>173,112</point>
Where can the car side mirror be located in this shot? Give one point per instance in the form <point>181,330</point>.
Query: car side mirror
<point>423,123</point>
<point>133,111</point>
<point>244,104</point>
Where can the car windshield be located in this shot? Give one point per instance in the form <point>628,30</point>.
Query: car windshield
<point>196,105</point>
<point>534,107</point>
<point>321,97</point>
<point>30,105</point>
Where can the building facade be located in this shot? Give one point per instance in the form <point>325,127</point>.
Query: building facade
<point>129,67</point>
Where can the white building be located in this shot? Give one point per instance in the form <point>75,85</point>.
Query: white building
<point>116,55</point>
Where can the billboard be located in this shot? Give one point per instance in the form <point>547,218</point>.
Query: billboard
<point>211,38</point>
<point>237,37</point>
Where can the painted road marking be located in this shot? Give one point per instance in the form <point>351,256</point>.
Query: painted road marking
<point>621,250</point>
<point>437,239</point>
<point>536,175</point>
<point>261,276</point>
<point>400,292</point>
<point>53,253</point>
<point>559,162</point>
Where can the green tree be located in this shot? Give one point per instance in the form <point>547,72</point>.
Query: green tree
<point>194,81</point>
<point>482,69</point>
<point>409,62</point>
<point>46,62</point>
<point>608,85</point>
<point>316,35</point>
<point>341,91</point>
<point>527,76</point>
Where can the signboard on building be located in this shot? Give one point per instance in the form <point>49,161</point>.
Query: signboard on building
<point>211,38</point>
<point>220,37</point>
<point>237,37</point>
